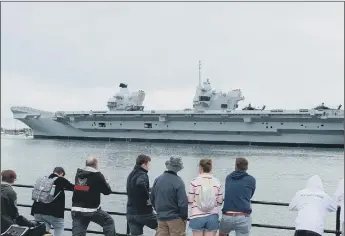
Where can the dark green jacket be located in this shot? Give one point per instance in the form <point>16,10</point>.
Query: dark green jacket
<point>9,210</point>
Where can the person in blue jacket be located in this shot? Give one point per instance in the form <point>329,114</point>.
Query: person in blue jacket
<point>239,190</point>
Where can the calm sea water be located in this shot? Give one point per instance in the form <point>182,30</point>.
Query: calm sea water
<point>279,172</point>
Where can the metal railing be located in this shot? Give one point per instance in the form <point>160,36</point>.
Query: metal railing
<point>337,231</point>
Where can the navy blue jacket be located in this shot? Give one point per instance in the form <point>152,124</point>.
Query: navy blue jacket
<point>239,190</point>
<point>138,192</point>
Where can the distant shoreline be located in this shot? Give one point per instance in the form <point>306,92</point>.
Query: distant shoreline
<point>9,123</point>
<point>16,131</point>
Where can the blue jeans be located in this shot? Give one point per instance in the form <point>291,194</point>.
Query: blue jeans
<point>240,224</point>
<point>49,221</point>
<point>205,223</point>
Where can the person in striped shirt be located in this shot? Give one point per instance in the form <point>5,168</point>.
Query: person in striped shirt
<point>204,216</point>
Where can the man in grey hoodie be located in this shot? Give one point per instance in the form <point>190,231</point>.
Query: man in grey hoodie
<point>169,199</point>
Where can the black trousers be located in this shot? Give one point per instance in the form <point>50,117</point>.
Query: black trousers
<point>81,221</point>
<point>305,233</point>
<point>136,223</point>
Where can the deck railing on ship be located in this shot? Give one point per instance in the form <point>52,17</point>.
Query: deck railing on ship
<point>337,231</point>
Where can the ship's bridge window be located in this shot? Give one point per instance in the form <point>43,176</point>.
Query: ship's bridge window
<point>101,125</point>
<point>147,125</point>
<point>204,98</point>
<point>224,106</point>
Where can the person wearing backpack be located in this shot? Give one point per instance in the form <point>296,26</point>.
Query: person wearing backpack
<point>239,190</point>
<point>204,197</point>
<point>49,203</point>
<point>90,183</point>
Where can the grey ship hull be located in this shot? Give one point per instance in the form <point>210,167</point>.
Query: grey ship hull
<point>278,129</point>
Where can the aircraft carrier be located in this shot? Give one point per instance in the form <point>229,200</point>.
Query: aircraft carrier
<point>213,119</point>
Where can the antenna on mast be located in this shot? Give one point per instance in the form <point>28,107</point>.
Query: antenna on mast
<point>199,73</point>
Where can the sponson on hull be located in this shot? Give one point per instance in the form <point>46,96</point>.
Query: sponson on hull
<point>213,119</point>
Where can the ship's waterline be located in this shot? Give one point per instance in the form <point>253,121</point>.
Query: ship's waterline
<point>225,133</point>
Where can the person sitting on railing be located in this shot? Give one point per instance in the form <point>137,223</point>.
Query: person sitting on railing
<point>239,190</point>
<point>204,196</point>
<point>53,213</point>
<point>169,199</point>
<point>339,198</point>
<point>89,184</point>
<point>139,207</point>
<point>9,210</point>
<point>312,204</point>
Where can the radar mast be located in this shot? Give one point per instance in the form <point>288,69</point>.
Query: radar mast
<point>199,73</point>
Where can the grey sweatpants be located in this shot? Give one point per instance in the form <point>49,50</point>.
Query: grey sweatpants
<point>81,221</point>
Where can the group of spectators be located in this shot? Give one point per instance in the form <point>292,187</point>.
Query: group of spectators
<point>167,206</point>
<point>89,184</point>
<point>173,205</point>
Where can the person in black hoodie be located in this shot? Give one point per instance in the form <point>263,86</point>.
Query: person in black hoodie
<point>89,184</point>
<point>139,207</point>
<point>9,210</point>
<point>53,214</point>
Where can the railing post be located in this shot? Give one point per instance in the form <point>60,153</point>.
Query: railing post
<point>127,230</point>
<point>337,222</point>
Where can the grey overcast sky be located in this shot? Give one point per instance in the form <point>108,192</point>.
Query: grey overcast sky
<point>72,56</point>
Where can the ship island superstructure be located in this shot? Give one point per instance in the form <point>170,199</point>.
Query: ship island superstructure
<point>213,119</point>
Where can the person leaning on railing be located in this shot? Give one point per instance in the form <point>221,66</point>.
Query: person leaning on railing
<point>312,204</point>
<point>53,213</point>
<point>139,208</point>
<point>89,184</point>
<point>239,190</point>
<point>9,210</point>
